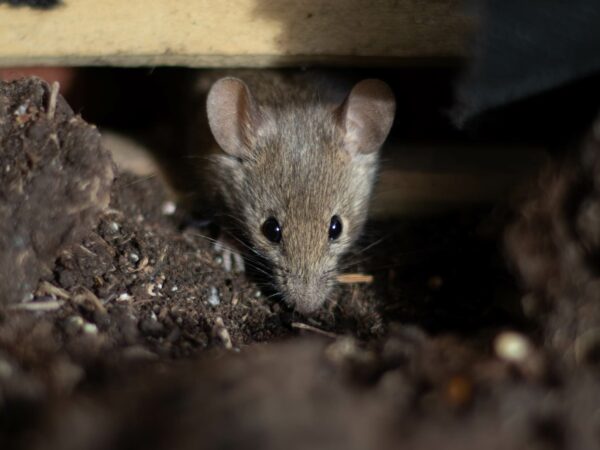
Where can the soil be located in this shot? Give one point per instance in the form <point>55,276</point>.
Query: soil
<point>135,334</point>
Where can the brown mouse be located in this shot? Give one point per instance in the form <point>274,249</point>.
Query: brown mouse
<point>296,171</point>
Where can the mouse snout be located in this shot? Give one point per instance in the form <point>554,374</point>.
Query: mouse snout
<point>305,293</point>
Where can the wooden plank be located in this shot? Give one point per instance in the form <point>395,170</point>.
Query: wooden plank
<point>217,33</point>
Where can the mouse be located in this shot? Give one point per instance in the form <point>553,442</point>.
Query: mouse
<point>294,170</point>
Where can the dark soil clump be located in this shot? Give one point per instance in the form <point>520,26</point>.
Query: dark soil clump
<point>54,181</point>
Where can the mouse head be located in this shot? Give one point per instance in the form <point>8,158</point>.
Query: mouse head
<point>297,174</point>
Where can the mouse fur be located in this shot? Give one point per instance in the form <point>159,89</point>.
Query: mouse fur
<point>300,153</point>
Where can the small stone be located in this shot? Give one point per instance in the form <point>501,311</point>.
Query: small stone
<point>74,324</point>
<point>114,227</point>
<point>124,297</point>
<point>512,347</point>
<point>169,208</point>
<point>22,109</point>
<point>213,298</point>
<point>90,328</point>
<point>134,257</point>
<point>220,331</point>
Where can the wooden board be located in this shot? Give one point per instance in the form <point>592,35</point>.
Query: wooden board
<point>219,33</point>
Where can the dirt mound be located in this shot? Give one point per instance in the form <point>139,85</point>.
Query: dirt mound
<point>55,180</point>
<point>555,246</point>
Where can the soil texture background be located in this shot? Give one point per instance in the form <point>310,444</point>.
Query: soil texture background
<point>122,326</point>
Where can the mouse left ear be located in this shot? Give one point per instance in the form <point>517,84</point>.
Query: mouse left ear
<point>232,116</point>
<point>366,116</point>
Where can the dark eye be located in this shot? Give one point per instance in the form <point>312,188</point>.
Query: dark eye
<point>272,230</point>
<point>335,228</point>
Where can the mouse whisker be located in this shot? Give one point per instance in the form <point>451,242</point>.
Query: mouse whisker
<point>371,245</point>
<point>221,244</point>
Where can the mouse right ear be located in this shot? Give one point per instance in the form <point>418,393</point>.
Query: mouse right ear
<point>366,116</point>
<point>232,115</point>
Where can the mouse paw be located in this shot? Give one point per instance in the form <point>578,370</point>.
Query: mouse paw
<point>232,260</point>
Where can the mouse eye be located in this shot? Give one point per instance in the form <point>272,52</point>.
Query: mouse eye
<point>335,228</point>
<point>272,230</point>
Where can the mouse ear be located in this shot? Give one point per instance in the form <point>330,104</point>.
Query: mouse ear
<point>366,116</point>
<point>232,115</point>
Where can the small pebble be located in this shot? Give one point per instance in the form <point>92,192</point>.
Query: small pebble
<point>222,333</point>
<point>213,298</point>
<point>124,297</point>
<point>512,346</point>
<point>90,328</point>
<point>73,324</point>
<point>257,294</point>
<point>174,289</point>
<point>134,257</point>
<point>114,227</point>
<point>169,208</point>
<point>150,290</point>
<point>22,109</point>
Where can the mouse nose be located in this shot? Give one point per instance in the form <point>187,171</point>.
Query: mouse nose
<point>305,294</point>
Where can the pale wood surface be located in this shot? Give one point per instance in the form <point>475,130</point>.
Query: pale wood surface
<point>212,33</point>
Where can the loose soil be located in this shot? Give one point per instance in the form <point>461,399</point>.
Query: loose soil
<point>122,327</point>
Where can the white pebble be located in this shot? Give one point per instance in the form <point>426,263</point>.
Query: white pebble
<point>213,298</point>
<point>174,289</point>
<point>90,328</point>
<point>22,109</point>
<point>124,297</point>
<point>512,346</point>
<point>114,227</point>
<point>169,208</point>
<point>134,257</point>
